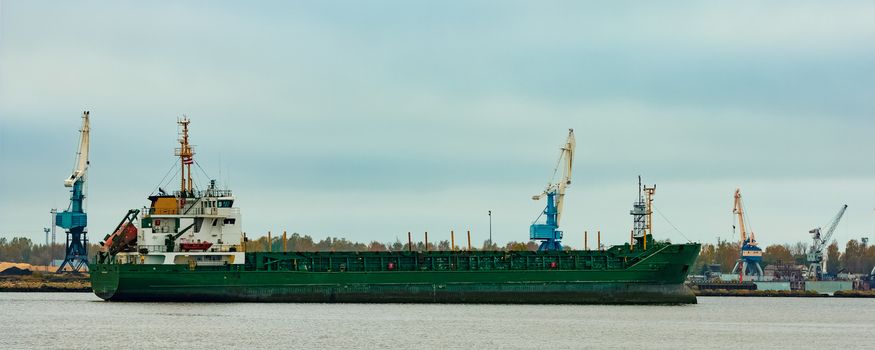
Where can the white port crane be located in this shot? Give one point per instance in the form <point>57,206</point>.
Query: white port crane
<point>81,165</point>
<point>548,233</point>
<point>74,219</point>
<point>819,242</point>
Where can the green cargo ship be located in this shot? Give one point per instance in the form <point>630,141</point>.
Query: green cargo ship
<point>177,250</point>
<point>614,276</point>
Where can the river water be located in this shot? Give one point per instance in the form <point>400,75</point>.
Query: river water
<point>82,321</point>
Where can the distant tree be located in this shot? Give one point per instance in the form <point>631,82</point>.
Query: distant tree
<point>800,252</point>
<point>397,246</point>
<point>516,246</point>
<point>20,249</point>
<point>833,264</point>
<point>489,245</point>
<point>777,254</point>
<point>377,247</point>
<point>255,244</point>
<point>325,245</point>
<point>443,245</point>
<point>420,246</point>
<point>852,258</point>
<point>868,260</point>
<point>4,255</point>
<point>707,256</point>
<point>727,253</point>
<point>298,243</point>
<point>276,243</point>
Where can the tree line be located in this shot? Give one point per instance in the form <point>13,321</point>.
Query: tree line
<point>306,243</point>
<point>857,257</point>
<point>23,250</point>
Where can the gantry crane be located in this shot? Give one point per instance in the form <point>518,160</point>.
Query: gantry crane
<point>819,242</point>
<point>74,219</point>
<point>751,254</point>
<point>548,233</point>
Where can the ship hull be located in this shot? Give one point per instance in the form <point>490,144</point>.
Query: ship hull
<point>658,281</point>
<point>474,293</point>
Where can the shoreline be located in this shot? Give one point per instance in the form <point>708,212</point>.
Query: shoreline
<point>45,282</point>
<point>50,288</point>
<point>45,289</point>
<point>783,294</point>
<point>70,283</point>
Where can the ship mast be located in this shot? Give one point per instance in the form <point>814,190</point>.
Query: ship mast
<point>650,191</point>
<point>186,159</point>
<point>642,215</point>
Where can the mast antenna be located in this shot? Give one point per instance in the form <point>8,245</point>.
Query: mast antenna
<point>186,158</point>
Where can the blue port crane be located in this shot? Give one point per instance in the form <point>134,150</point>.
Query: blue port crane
<point>751,253</point>
<point>548,232</point>
<point>819,242</point>
<point>74,220</point>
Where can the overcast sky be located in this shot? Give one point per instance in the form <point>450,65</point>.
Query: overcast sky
<point>367,120</point>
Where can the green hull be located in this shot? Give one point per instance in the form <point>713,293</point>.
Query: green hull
<point>616,276</point>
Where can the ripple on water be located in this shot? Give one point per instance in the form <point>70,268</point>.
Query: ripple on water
<point>35,320</point>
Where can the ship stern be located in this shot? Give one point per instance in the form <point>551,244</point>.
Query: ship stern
<point>104,280</point>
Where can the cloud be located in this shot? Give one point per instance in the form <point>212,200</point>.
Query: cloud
<point>374,119</point>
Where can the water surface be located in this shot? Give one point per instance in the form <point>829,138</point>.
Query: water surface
<point>82,321</point>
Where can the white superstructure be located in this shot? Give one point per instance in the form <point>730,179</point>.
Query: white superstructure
<point>190,226</point>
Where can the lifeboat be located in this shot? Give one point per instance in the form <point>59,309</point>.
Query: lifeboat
<point>122,238</point>
<point>199,246</point>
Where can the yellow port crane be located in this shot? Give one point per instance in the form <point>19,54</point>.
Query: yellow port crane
<point>751,254</point>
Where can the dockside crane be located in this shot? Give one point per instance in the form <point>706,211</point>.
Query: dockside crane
<point>819,242</point>
<point>548,233</point>
<point>751,254</point>
<point>74,220</point>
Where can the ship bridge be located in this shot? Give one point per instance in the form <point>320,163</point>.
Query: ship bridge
<point>189,224</point>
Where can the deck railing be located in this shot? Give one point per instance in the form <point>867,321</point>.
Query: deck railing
<point>216,248</point>
<point>191,210</point>
<point>203,193</point>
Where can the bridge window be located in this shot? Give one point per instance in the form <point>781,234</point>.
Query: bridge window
<point>225,203</point>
